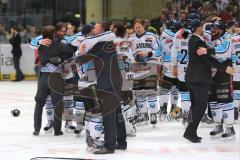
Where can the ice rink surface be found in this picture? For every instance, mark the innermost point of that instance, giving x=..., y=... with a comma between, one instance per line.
x=162, y=143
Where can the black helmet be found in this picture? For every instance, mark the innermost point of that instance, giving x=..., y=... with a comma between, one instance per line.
x=230, y=23
x=175, y=26
x=192, y=16
x=194, y=24
x=219, y=24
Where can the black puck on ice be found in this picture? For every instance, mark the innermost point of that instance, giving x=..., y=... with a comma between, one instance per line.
x=15, y=112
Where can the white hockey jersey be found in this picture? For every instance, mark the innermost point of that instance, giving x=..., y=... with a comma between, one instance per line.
x=167, y=42
x=147, y=42
x=87, y=74
x=89, y=42
x=125, y=61
x=86, y=71
x=235, y=47
x=180, y=55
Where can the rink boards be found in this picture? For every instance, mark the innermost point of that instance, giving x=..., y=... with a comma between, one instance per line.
x=7, y=71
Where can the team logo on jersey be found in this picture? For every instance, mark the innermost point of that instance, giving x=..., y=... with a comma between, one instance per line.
x=140, y=105
x=152, y=105
x=98, y=127
x=214, y=114
x=225, y=115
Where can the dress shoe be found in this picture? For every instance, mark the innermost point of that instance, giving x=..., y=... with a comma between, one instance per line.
x=200, y=138
x=121, y=147
x=103, y=150
x=193, y=139
x=36, y=133
x=59, y=133
x=17, y=80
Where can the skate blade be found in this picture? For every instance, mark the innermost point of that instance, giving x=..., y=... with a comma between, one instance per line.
x=154, y=125
x=232, y=138
x=142, y=124
x=217, y=136
x=131, y=135
x=67, y=130
x=203, y=125
x=162, y=117
x=90, y=149
x=49, y=131
x=78, y=134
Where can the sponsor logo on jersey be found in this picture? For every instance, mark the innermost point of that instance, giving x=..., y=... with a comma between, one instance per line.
x=168, y=41
x=184, y=43
x=143, y=45
x=236, y=46
x=236, y=40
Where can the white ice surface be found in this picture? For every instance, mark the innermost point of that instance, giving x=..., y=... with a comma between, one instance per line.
x=162, y=143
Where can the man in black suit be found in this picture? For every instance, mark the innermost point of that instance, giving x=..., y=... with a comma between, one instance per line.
x=199, y=77
x=15, y=41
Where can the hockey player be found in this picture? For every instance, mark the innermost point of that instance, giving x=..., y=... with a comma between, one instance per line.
x=82, y=103
x=236, y=75
x=180, y=58
x=146, y=51
x=231, y=34
x=223, y=108
x=125, y=60
x=169, y=84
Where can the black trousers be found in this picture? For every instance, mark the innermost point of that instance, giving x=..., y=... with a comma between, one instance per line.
x=16, y=63
x=199, y=100
x=49, y=83
x=113, y=121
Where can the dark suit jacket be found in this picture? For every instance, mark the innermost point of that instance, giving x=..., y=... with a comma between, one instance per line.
x=56, y=50
x=199, y=67
x=15, y=41
x=109, y=75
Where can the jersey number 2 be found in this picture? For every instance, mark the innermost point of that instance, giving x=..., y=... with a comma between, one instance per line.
x=238, y=58
x=184, y=55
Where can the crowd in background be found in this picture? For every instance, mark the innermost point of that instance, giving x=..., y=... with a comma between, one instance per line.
x=174, y=10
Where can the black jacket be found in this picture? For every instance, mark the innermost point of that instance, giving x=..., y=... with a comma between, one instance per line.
x=199, y=67
x=15, y=41
x=55, y=53
x=109, y=75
